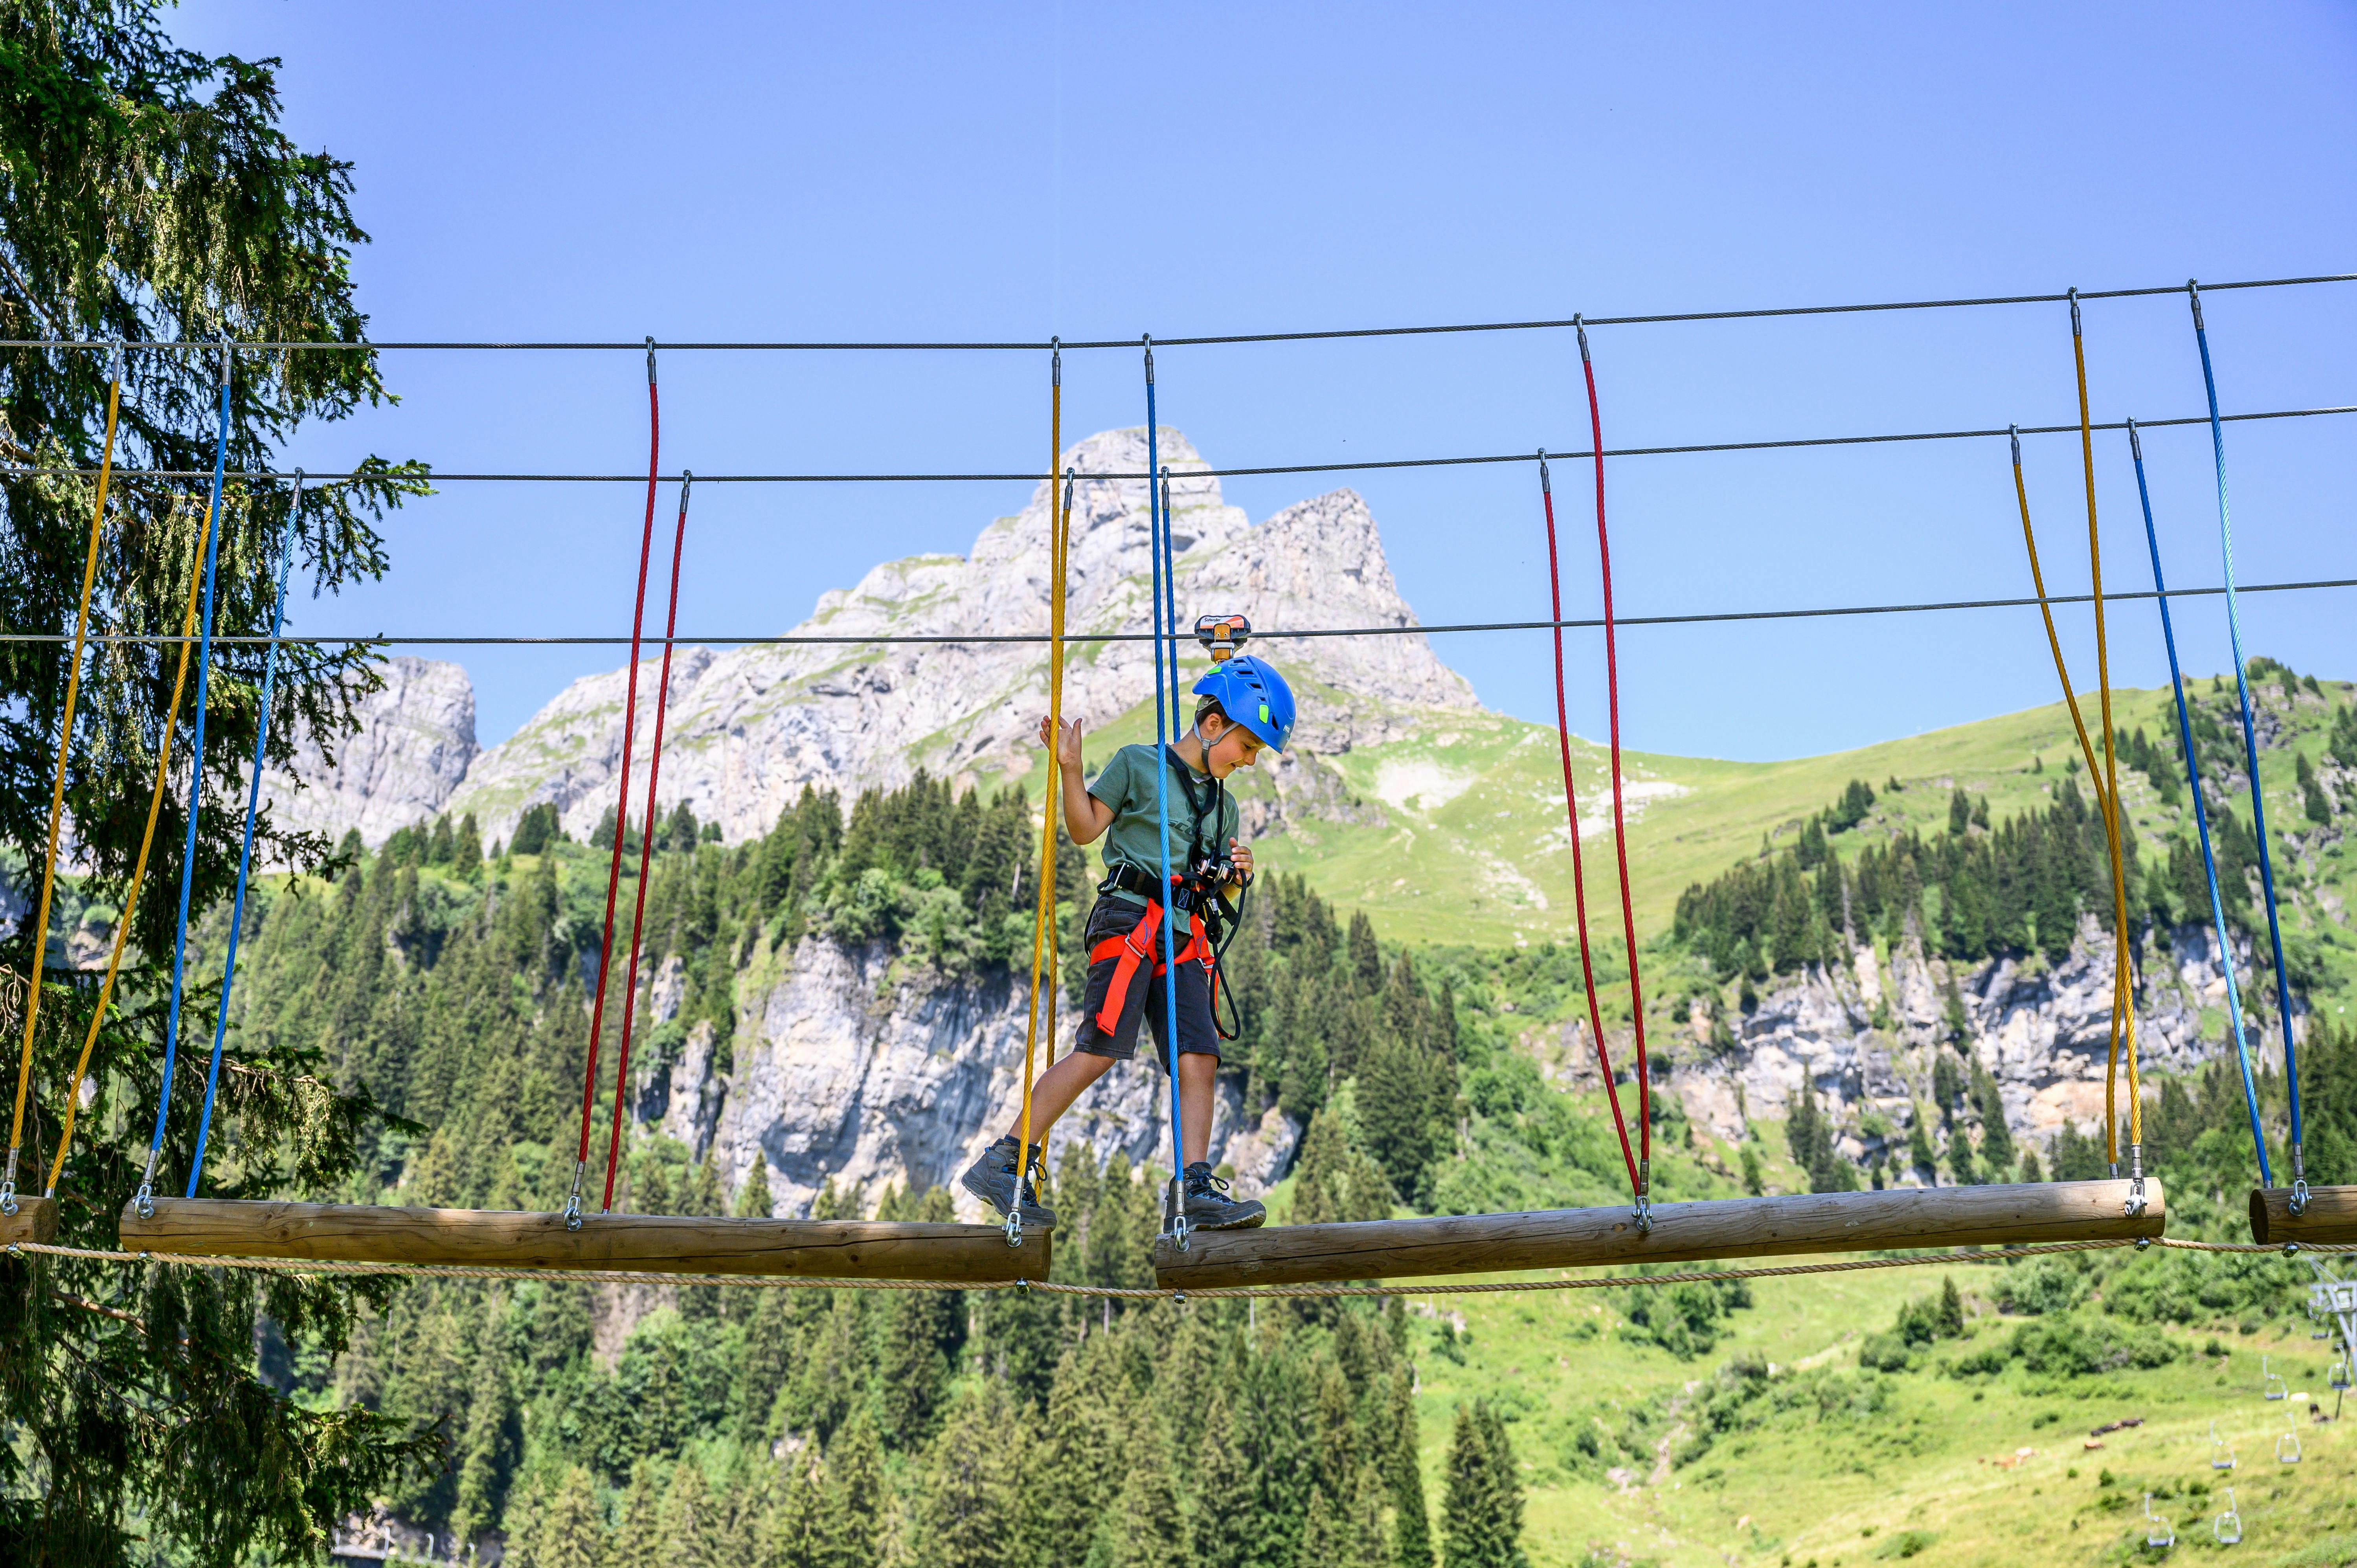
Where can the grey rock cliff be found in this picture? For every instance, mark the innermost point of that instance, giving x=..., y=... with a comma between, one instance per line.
x=415, y=745
x=850, y=1067
x=1866, y=1036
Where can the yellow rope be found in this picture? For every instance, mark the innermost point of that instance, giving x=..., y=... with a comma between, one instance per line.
x=65, y=749
x=139, y=868
x=2095, y=778
x=2124, y=992
x=1479, y=1287
x=1043, y=920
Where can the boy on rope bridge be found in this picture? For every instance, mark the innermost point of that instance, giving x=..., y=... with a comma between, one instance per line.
x=1245, y=705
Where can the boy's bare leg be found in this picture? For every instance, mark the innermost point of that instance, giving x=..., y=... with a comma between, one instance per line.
x=1053, y=1092
x=1198, y=1074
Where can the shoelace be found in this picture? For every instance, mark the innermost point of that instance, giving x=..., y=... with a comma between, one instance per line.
x=1203, y=1182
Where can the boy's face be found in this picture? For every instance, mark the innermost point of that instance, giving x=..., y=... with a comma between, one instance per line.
x=1227, y=746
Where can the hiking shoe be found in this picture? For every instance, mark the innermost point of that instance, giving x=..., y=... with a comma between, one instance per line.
x=992, y=1179
x=1209, y=1207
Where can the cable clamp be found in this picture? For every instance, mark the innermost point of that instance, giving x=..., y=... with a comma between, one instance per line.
x=1546, y=485
x=686, y=483
x=225, y=362
x=2074, y=313
x=2136, y=443
x=1579, y=327
x=650, y=359
x=573, y=1204
x=1147, y=339
x=114, y=361
x=1056, y=364
x=2015, y=431
x=2193, y=292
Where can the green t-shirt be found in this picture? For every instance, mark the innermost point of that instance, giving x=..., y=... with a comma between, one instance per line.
x=1128, y=785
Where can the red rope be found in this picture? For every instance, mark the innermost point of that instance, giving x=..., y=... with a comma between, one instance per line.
x=1620, y=823
x=646, y=853
x=622, y=802
x=1571, y=812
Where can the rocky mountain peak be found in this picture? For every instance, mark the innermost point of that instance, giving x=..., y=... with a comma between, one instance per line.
x=750, y=726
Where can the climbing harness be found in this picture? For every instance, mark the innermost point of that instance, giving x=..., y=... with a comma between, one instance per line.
x=39, y=964
x=1571, y=816
x=1164, y=567
x=621, y=801
x=2201, y=816
x=2250, y=756
x=1644, y=1209
x=253, y=807
x=1043, y=918
x=208, y=561
x=646, y=849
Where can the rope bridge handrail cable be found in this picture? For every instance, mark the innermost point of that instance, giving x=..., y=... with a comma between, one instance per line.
x=1325, y=335
x=24, y=470
x=949, y=638
x=1059, y=1287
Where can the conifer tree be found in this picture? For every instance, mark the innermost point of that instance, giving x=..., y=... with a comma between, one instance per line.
x=851, y=1500
x=638, y=1537
x=968, y=1516
x=1482, y=1511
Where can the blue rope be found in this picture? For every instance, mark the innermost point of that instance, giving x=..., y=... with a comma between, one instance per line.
x=1158, y=536
x=2202, y=820
x=211, y=559
x=2250, y=733
x=252, y=805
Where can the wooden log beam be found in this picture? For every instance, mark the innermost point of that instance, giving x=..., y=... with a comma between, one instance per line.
x=2331, y=1216
x=1682, y=1233
x=651, y=1243
x=35, y=1219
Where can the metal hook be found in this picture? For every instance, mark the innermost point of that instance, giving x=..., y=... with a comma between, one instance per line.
x=1147, y=339
x=686, y=483
x=2193, y=292
x=2074, y=312
x=650, y=359
x=1546, y=485
x=2015, y=431
x=114, y=361
x=2135, y=444
x=1056, y=362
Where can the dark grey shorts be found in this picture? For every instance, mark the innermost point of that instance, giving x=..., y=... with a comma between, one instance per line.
x=1114, y=918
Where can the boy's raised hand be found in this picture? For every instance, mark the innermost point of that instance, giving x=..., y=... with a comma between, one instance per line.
x=1067, y=742
x=1240, y=853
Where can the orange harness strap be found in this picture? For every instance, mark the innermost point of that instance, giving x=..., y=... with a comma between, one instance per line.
x=1131, y=948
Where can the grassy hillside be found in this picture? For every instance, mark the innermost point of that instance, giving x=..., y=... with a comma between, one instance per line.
x=1466, y=841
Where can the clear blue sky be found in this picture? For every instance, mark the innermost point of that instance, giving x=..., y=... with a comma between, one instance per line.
x=832, y=172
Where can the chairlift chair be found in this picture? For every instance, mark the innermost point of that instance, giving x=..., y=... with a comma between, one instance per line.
x=2289, y=1438
x=2157, y=1532
x=2221, y=1458
x=2227, y=1527
x=2272, y=1386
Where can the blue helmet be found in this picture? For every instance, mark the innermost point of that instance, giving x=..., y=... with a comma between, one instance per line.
x=1250, y=691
